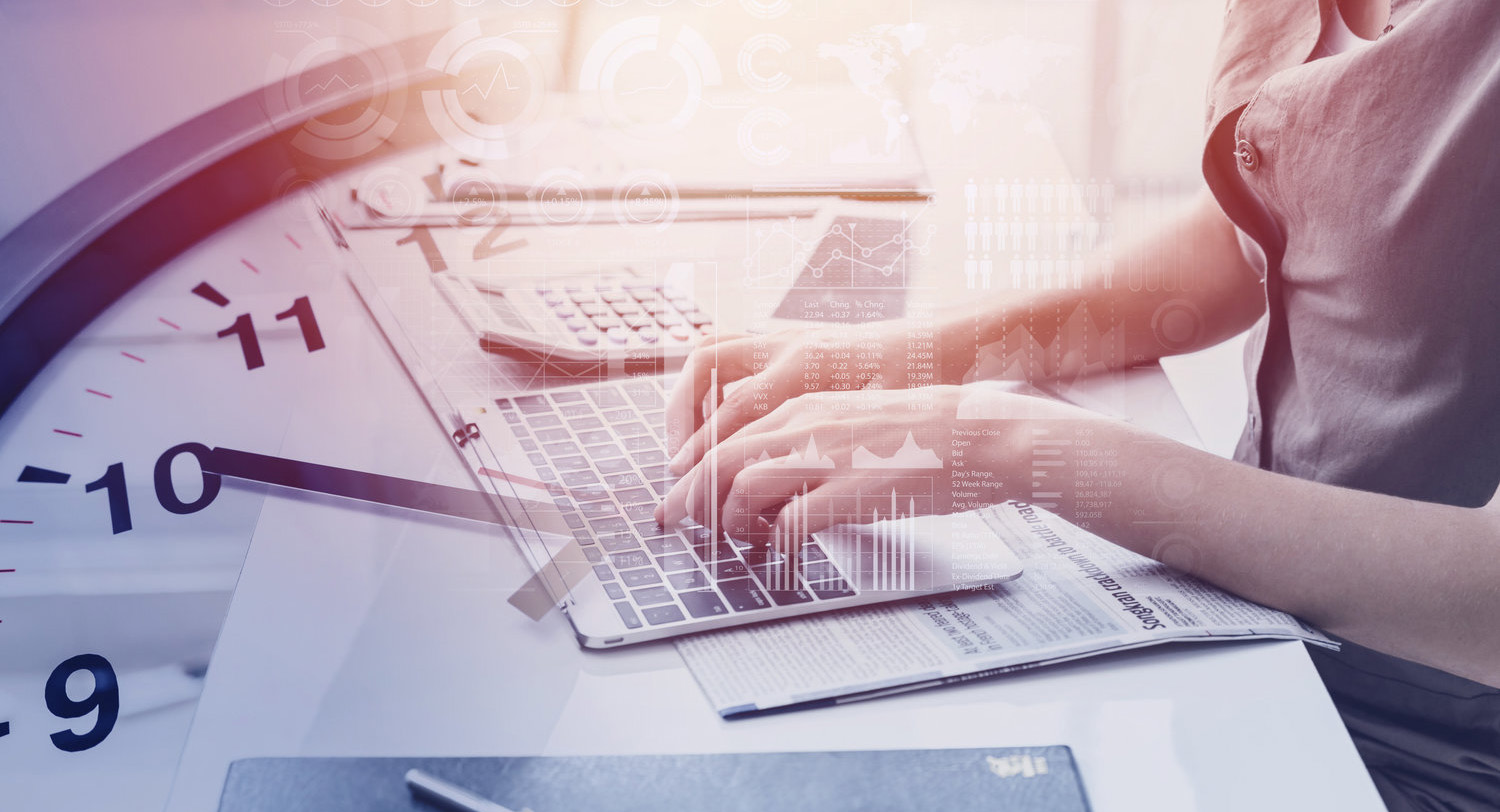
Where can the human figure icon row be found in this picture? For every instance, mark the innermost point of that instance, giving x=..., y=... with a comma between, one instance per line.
x=1036, y=273
x=1015, y=234
x=1031, y=196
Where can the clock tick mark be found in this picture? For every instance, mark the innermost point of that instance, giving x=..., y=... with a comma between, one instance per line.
x=293, y=241
x=247, y=264
x=132, y=356
x=16, y=521
x=68, y=433
x=31, y=473
x=100, y=394
x=171, y=324
x=208, y=292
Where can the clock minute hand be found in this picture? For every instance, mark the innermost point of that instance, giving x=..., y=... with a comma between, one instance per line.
x=410, y=494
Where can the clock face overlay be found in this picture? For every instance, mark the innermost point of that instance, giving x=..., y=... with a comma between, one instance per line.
x=118, y=552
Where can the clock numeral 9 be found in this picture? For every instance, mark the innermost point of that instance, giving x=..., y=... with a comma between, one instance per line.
x=105, y=697
x=244, y=328
x=113, y=483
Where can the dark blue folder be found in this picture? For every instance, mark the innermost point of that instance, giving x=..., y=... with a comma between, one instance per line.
x=1034, y=779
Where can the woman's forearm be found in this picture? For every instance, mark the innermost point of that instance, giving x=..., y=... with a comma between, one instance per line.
x=1413, y=579
x=1184, y=288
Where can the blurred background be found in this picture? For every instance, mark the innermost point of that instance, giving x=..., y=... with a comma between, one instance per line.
x=1118, y=84
x=1088, y=94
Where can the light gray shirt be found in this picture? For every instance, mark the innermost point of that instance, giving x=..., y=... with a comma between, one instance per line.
x=1377, y=363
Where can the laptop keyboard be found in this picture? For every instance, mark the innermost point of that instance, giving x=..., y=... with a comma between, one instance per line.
x=603, y=449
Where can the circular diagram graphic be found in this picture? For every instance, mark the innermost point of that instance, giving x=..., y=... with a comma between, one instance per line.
x=561, y=198
x=646, y=198
x=649, y=78
x=1178, y=324
x=333, y=69
x=756, y=151
x=292, y=183
x=479, y=193
x=767, y=9
x=493, y=107
x=391, y=194
x=753, y=52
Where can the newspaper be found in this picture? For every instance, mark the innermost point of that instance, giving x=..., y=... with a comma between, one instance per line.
x=1079, y=596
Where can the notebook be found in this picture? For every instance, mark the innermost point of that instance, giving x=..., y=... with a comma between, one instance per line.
x=1036, y=779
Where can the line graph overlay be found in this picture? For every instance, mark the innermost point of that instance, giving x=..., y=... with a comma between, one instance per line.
x=859, y=271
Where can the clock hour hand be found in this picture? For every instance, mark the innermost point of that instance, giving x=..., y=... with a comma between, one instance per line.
x=479, y=506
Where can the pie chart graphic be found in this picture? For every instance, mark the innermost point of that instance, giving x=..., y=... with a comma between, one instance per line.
x=493, y=105
x=323, y=72
x=648, y=75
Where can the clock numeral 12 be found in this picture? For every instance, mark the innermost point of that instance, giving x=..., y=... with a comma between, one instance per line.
x=244, y=328
x=488, y=247
x=113, y=483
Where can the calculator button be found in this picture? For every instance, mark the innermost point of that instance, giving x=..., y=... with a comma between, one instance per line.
x=622, y=481
x=652, y=595
x=588, y=339
x=667, y=318
x=607, y=323
x=626, y=308
x=649, y=335
x=618, y=335
x=619, y=542
x=657, y=615
x=703, y=604
x=630, y=560
x=682, y=581
x=627, y=615
x=553, y=299
x=640, y=577
x=619, y=415
x=644, y=443
x=591, y=309
x=679, y=332
x=613, y=296
x=743, y=595
x=697, y=318
x=532, y=404
x=678, y=562
x=606, y=397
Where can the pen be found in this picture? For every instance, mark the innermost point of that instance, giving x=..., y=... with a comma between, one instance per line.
x=443, y=794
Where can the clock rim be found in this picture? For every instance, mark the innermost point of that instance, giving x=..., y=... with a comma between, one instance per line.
x=72, y=259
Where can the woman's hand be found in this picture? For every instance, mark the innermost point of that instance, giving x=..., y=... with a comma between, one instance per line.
x=831, y=458
x=772, y=369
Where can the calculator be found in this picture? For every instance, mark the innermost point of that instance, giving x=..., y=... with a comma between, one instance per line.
x=594, y=318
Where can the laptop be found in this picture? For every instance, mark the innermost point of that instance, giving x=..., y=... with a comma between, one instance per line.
x=593, y=457
x=597, y=452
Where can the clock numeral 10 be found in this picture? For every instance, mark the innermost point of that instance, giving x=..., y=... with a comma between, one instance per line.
x=244, y=328
x=113, y=484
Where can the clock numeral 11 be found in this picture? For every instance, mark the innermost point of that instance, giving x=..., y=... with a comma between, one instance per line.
x=244, y=328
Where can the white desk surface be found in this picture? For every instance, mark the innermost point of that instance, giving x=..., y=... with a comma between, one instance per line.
x=360, y=632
